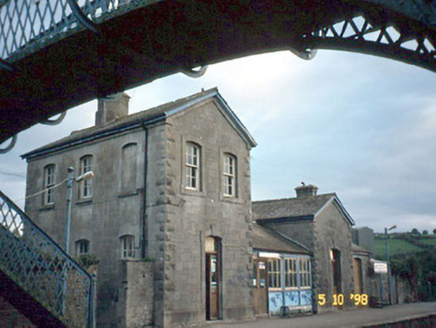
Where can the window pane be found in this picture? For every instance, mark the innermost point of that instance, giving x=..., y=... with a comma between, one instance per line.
x=127, y=244
x=49, y=173
x=82, y=247
x=274, y=280
x=192, y=166
x=86, y=185
x=228, y=175
x=305, y=273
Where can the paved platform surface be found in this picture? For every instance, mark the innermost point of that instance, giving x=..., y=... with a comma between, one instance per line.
x=343, y=318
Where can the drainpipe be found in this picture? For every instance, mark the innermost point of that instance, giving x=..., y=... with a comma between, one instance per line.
x=144, y=200
x=282, y=278
x=144, y=230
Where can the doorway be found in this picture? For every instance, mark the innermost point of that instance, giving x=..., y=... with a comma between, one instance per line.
x=335, y=256
x=260, y=292
x=213, y=278
x=358, y=286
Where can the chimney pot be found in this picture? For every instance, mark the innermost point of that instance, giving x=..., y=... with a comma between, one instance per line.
x=305, y=191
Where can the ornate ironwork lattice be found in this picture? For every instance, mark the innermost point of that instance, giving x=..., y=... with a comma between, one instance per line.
x=382, y=37
x=29, y=24
x=39, y=266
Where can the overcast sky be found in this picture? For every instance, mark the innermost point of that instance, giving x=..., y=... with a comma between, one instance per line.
x=361, y=126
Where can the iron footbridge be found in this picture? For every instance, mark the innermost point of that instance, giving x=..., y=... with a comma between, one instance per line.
x=57, y=54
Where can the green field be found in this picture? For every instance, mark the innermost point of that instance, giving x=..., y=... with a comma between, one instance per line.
x=428, y=241
x=396, y=246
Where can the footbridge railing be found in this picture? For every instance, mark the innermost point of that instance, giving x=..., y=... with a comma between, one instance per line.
x=29, y=25
x=39, y=266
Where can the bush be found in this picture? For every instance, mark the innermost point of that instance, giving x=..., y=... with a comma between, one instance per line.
x=87, y=260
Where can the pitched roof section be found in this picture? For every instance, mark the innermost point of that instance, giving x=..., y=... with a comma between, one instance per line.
x=139, y=119
x=356, y=249
x=289, y=207
x=296, y=208
x=266, y=240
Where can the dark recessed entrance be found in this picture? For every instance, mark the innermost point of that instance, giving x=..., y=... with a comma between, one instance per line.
x=213, y=278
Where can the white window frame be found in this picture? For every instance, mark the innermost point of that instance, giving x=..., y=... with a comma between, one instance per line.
x=127, y=247
x=229, y=175
x=274, y=273
x=82, y=247
x=49, y=181
x=305, y=273
x=291, y=273
x=86, y=186
x=192, y=166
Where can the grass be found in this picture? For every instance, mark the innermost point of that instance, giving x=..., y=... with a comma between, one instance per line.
x=428, y=241
x=396, y=246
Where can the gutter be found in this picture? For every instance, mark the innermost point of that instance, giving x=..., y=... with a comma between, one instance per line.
x=286, y=219
x=103, y=134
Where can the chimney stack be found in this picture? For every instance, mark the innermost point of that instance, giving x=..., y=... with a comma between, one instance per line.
x=111, y=108
x=304, y=191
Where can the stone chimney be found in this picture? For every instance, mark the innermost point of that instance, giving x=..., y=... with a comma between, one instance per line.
x=111, y=108
x=306, y=191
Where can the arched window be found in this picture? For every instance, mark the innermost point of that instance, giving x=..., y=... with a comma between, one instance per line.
x=85, y=189
x=128, y=168
x=229, y=175
x=192, y=164
x=127, y=246
x=82, y=247
x=49, y=181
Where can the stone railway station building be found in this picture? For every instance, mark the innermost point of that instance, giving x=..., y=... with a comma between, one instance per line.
x=169, y=214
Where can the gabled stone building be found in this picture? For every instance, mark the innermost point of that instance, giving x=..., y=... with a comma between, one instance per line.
x=171, y=185
x=323, y=226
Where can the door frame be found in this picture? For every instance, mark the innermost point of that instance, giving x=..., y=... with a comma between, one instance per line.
x=216, y=251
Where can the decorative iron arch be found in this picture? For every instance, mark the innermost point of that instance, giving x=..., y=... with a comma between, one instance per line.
x=174, y=36
x=363, y=28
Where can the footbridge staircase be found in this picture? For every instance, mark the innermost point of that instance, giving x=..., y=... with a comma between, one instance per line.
x=39, y=282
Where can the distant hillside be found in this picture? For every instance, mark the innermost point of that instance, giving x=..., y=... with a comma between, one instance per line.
x=403, y=243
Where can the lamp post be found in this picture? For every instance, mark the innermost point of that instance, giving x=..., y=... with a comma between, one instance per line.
x=70, y=180
x=86, y=176
x=387, y=260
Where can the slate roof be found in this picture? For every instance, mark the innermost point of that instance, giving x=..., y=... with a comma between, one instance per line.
x=359, y=249
x=266, y=240
x=296, y=208
x=134, y=121
x=289, y=207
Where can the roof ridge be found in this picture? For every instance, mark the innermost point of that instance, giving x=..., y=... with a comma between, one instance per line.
x=130, y=120
x=293, y=198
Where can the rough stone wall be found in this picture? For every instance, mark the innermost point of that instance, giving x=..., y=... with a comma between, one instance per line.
x=156, y=212
x=10, y=317
x=110, y=214
x=331, y=231
x=180, y=220
x=400, y=289
x=136, y=293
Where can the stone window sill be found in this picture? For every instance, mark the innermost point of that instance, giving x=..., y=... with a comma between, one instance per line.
x=84, y=201
x=47, y=207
